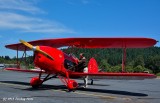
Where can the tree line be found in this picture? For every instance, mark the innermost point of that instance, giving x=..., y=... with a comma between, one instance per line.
x=110, y=60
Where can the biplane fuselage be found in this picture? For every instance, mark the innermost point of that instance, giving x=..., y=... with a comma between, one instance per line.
x=56, y=66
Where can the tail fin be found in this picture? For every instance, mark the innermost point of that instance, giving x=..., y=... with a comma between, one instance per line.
x=92, y=66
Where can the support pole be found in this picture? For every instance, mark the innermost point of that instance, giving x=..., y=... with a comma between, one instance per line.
x=25, y=56
x=17, y=59
x=123, y=59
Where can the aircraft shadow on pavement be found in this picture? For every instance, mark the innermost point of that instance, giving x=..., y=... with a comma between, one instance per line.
x=81, y=84
x=15, y=82
x=118, y=92
x=63, y=88
x=42, y=87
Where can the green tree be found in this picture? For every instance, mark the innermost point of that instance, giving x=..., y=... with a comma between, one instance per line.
x=104, y=66
x=139, y=68
x=129, y=68
x=116, y=68
x=139, y=61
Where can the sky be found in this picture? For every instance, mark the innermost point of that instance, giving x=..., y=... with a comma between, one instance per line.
x=43, y=19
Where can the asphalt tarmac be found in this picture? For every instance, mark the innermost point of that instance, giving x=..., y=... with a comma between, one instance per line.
x=15, y=88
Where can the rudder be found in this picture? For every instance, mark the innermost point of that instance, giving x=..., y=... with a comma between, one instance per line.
x=92, y=66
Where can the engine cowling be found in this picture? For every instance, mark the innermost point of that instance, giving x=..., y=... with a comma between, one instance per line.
x=72, y=84
x=35, y=82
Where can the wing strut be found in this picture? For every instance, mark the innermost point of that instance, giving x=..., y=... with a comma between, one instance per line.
x=18, y=65
x=24, y=55
x=123, y=59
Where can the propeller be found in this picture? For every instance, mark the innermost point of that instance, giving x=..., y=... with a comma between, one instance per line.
x=36, y=48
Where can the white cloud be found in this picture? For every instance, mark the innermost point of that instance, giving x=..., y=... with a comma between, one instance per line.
x=10, y=19
x=30, y=24
x=22, y=5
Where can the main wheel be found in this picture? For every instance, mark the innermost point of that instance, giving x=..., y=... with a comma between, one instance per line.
x=35, y=82
x=72, y=85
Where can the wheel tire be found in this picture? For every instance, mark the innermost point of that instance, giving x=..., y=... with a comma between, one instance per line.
x=35, y=86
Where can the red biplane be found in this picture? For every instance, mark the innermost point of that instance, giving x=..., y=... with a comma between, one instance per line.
x=54, y=62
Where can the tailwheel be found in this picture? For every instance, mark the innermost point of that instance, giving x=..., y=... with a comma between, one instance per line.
x=35, y=82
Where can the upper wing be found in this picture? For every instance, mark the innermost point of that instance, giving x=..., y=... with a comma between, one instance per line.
x=108, y=75
x=89, y=43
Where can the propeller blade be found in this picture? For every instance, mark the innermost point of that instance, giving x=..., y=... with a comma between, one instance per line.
x=27, y=44
x=36, y=48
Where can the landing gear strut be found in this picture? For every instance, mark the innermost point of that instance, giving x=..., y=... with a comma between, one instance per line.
x=36, y=81
x=70, y=84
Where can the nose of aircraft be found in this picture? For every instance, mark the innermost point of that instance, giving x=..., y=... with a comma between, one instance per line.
x=36, y=48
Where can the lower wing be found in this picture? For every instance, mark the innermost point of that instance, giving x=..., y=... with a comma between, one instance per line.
x=24, y=70
x=109, y=75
